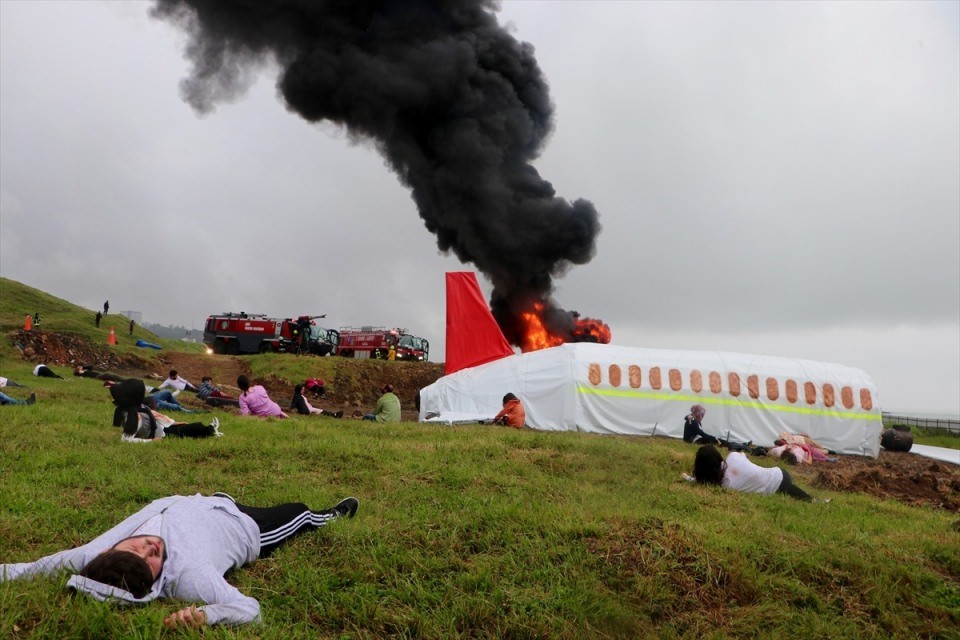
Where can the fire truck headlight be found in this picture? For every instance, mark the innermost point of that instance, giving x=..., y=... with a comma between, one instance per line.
x=209, y=351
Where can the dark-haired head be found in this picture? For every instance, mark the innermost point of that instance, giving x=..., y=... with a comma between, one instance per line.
x=708, y=465
x=173, y=373
x=244, y=383
x=206, y=379
x=791, y=457
x=387, y=388
x=121, y=569
x=297, y=390
x=507, y=398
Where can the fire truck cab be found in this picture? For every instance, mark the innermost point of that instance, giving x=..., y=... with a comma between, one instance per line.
x=375, y=342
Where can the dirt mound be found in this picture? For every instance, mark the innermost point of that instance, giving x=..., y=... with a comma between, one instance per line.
x=902, y=476
x=65, y=350
x=906, y=477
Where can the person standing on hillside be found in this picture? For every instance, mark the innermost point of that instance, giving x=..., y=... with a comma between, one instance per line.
x=388, y=406
x=97, y=318
x=180, y=547
x=132, y=325
x=254, y=401
x=106, y=307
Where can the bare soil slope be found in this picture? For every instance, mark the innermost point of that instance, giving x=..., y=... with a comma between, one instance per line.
x=906, y=477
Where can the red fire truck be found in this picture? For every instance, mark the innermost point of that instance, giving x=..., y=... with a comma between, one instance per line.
x=375, y=342
x=235, y=333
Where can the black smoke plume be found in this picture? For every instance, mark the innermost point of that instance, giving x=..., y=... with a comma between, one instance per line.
x=457, y=106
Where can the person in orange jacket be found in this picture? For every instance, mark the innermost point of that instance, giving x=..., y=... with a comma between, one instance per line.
x=512, y=414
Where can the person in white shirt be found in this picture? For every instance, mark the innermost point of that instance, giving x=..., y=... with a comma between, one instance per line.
x=174, y=381
x=7, y=382
x=739, y=474
x=180, y=547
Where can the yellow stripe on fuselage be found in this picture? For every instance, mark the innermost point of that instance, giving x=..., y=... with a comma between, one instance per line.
x=752, y=404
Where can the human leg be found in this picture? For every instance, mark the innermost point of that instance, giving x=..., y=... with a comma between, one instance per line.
x=189, y=430
x=5, y=399
x=215, y=401
x=282, y=522
x=170, y=406
x=165, y=395
x=792, y=490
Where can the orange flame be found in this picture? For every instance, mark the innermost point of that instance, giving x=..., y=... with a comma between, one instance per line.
x=537, y=336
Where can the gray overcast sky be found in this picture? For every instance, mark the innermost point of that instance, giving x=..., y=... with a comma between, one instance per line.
x=778, y=178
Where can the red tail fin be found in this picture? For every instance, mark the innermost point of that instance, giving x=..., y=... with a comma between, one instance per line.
x=473, y=336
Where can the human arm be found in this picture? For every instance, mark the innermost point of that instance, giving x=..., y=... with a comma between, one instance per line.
x=71, y=559
x=221, y=602
x=244, y=406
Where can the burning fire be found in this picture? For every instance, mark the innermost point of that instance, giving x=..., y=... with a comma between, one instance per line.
x=536, y=335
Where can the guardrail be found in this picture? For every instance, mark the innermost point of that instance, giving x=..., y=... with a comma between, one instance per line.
x=945, y=424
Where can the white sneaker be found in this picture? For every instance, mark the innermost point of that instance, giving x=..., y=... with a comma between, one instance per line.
x=215, y=423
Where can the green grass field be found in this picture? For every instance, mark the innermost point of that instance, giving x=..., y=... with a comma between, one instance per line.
x=469, y=532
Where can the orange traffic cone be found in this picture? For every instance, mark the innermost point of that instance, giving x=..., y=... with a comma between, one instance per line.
x=28, y=323
x=113, y=337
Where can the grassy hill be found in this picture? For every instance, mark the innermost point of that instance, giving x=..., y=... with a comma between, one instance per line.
x=463, y=532
x=18, y=300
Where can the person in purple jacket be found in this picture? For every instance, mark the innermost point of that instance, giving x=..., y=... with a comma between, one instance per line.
x=180, y=547
x=254, y=400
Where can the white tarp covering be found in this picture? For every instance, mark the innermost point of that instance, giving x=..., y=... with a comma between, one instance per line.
x=936, y=453
x=627, y=390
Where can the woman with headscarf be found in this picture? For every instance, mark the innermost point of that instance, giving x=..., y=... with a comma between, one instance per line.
x=693, y=429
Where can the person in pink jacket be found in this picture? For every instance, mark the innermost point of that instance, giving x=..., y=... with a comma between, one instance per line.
x=254, y=400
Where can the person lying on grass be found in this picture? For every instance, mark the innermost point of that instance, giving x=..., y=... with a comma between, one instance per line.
x=180, y=547
x=212, y=395
x=739, y=474
x=153, y=425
